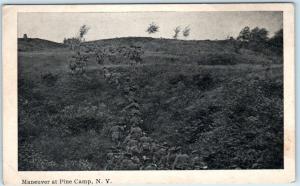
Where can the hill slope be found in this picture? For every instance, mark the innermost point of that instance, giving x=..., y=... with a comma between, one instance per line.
x=205, y=52
x=32, y=44
x=225, y=115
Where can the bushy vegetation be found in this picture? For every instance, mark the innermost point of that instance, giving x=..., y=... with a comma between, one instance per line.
x=195, y=99
x=78, y=62
x=176, y=32
x=186, y=31
x=152, y=28
x=257, y=39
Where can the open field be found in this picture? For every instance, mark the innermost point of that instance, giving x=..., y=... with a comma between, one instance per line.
x=222, y=107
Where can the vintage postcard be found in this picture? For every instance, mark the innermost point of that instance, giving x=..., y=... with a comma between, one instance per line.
x=160, y=93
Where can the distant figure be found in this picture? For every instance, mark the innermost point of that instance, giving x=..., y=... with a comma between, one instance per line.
x=25, y=36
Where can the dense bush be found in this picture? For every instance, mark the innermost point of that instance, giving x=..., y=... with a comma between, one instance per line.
x=276, y=42
x=251, y=133
x=257, y=40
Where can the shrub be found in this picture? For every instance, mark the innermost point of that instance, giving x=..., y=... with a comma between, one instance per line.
x=72, y=43
x=186, y=31
x=78, y=119
x=176, y=32
x=244, y=34
x=252, y=115
x=152, y=28
x=78, y=63
x=276, y=42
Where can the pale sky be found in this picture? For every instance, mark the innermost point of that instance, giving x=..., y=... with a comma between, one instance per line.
x=204, y=25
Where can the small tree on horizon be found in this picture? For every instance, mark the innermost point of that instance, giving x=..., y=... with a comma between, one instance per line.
x=186, y=31
x=259, y=35
x=177, y=31
x=276, y=42
x=78, y=62
x=152, y=28
x=83, y=31
x=244, y=34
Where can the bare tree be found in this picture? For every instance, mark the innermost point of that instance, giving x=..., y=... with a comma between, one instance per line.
x=186, y=31
x=152, y=28
x=177, y=31
x=74, y=42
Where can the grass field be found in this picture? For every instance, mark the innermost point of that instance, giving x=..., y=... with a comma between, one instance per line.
x=225, y=107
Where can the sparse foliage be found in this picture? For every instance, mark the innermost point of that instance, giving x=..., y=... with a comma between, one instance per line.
x=83, y=31
x=78, y=62
x=130, y=54
x=176, y=32
x=186, y=31
x=152, y=28
x=72, y=43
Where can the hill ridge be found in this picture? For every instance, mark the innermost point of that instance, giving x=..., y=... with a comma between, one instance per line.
x=31, y=44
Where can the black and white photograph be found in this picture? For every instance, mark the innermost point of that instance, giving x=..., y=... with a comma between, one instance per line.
x=151, y=90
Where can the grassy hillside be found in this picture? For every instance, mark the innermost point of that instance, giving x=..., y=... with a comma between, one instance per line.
x=187, y=51
x=201, y=97
x=35, y=44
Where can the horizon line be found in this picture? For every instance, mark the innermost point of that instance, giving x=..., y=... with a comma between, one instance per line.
x=128, y=37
